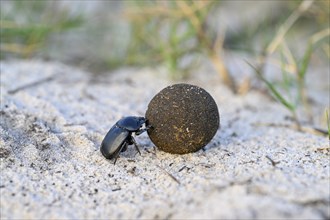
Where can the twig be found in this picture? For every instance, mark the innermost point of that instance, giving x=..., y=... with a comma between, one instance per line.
x=182, y=168
x=170, y=175
x=323, y=148
x=150, y=151
x=274, y=163
x=305, y=129
x=320, y=130
x=29, y=85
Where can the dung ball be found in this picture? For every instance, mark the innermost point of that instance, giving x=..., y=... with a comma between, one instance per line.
x=183, y=118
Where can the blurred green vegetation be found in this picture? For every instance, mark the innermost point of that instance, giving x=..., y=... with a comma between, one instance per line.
x=170, y=31
x=25, y=28
x=178, y=35
x=291, y=92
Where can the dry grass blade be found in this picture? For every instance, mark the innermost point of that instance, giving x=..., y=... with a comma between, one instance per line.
x=320, y=35
x=147, y=12
x=190, y=14
x=24, y=50
x=308, y=53
x=287, y=25
x=212, y=49
x=291, y=66
x=328, y=122
x=165, y=10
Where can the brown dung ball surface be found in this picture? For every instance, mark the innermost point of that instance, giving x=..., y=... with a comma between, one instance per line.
x=184, y=118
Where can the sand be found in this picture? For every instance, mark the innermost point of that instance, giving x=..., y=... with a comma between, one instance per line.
x=54, y=117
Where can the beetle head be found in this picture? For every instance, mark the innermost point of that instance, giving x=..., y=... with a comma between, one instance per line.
x=131, y=123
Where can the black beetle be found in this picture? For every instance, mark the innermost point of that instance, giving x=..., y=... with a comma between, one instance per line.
x=120, y=136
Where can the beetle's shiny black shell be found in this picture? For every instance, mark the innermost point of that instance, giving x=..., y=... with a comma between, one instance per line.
x=113, y=141
x=119, y=135
x=131, y=123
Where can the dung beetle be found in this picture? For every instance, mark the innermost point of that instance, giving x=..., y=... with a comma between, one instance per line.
x=120, y=136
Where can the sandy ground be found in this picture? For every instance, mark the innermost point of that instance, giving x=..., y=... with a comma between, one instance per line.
x=54, y=117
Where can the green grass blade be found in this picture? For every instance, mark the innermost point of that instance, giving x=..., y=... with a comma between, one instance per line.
x=274, y=91
x=305, y=61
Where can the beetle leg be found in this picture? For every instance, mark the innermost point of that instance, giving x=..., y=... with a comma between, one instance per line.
x=124, y=148
x=143, y=130
x=135, y=144
x=116, y=154
x=140, y=131
x=114, y=163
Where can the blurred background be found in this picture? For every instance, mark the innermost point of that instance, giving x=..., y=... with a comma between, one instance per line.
x=182, y=36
